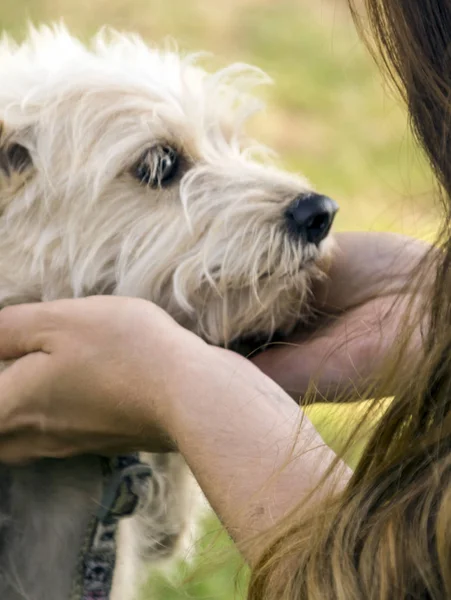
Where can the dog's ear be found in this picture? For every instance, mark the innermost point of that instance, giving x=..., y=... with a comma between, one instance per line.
x=16, y=162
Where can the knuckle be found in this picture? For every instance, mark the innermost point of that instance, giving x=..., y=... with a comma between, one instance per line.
x=7, y=315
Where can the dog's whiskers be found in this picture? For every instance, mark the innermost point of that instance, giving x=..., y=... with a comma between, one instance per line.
x=136, y=177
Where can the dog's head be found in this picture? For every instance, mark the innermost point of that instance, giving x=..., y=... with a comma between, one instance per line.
x=126, y=170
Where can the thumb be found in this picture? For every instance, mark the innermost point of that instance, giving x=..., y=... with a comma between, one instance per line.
x=22, y=329
x=24, y=386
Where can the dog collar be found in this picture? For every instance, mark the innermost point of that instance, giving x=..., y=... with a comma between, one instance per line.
x=126, y=480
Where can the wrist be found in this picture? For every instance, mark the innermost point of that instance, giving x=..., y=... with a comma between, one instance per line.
x=211, y=382
x=192, y=367
x=166, y=384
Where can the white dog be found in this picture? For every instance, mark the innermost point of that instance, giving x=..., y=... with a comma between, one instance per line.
x=125, y=170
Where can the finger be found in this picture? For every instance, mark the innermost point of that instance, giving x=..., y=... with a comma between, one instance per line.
x=18, y=450
x=24, y=386
x=22, y=329
x=24, y=448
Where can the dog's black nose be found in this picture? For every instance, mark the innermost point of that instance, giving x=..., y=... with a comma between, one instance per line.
x=310, y=217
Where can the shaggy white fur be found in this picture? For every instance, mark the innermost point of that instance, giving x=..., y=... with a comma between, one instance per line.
x=126, y=170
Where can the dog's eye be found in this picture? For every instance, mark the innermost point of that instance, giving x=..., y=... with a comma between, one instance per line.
x=157, y=166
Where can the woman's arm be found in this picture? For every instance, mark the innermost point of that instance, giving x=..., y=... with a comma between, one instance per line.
x=252, y=450
x=111, y=374
x=365, y=300
x=103, y=375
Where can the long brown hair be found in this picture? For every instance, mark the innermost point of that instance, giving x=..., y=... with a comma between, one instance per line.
x=387, y=536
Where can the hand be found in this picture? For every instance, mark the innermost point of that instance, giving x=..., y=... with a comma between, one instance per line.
x=111, y=375
x=361, y=308
x=94, y=379
x=99, y=374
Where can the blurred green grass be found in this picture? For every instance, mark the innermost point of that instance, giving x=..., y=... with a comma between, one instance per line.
x=329, y=116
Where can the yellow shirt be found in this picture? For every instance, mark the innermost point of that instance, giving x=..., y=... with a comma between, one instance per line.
x=336, y=423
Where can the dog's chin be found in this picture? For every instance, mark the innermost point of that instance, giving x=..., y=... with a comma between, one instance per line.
x=251, y=345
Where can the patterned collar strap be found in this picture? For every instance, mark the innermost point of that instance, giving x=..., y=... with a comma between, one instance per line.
x=126, y=483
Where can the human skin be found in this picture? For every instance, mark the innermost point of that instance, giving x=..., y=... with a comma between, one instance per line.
x=106, y=374
x=364, y=300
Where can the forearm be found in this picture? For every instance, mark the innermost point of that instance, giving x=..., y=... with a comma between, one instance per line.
x=253, y=453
